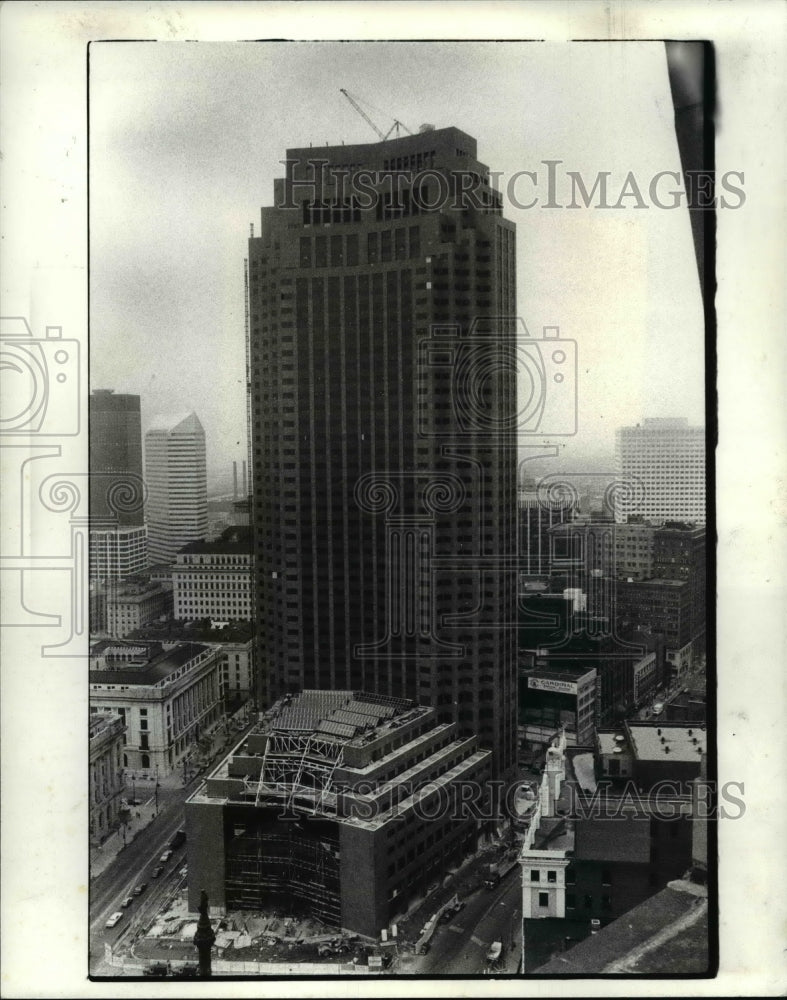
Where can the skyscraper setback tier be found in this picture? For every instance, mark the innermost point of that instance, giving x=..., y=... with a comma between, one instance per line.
x=382, y=404
x=176, y=479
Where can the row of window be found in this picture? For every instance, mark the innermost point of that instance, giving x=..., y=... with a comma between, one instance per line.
x=344, y=249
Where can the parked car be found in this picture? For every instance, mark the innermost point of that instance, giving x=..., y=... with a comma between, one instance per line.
x=184, y=870
x=157, y=871
x=127, y=902
x=188, y=971
x=114, y=919
x=140, y=889
x=165, y=856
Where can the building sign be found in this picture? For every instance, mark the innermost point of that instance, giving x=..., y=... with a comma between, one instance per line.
x=548, y=684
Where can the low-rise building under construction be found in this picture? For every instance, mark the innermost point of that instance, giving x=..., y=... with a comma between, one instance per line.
x=339, y=805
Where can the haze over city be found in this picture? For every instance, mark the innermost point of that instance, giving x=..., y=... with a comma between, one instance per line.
x=177, y=182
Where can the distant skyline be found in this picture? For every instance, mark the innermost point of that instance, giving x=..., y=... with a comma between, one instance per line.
x=186, y=140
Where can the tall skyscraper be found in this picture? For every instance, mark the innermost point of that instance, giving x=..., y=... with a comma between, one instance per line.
x=118, y=539
x=383, y=397
x=176, y=479
x=115, y=447
x=664, y=462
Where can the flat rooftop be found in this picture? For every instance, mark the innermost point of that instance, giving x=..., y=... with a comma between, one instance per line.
x=667, y=742
x=610, y=740
x=235, y=540
x=134, y=593
x=353, y=717
x=160, y=665
x=571, y=673
x=668, y=933
x=196, y=631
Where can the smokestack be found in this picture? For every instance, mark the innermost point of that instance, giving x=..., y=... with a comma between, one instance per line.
x=234, y=480
x=244, y=494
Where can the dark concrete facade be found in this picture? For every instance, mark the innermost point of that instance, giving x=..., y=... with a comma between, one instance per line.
x=383, y=511
x=115, y=454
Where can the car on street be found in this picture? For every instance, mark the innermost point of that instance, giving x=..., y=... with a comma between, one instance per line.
x=165, y=856
x=184, y=870
x=114, y=919
x=452, y=908
x=157, y=871
x=126, y=902
x=495, y=952
x=140, y=889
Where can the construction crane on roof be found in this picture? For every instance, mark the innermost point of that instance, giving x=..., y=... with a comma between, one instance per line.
x=396, y=125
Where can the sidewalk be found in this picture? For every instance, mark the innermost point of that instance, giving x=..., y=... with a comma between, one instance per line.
x=101, y=857
x=144, y=814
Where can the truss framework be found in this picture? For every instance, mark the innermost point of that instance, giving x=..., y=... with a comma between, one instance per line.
x=300, y=767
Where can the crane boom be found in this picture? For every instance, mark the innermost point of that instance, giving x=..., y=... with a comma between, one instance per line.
x=362, y=113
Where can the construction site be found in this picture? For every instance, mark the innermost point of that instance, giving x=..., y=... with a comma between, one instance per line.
x=338, y=807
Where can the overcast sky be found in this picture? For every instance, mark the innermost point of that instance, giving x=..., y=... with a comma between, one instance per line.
x=186, y=139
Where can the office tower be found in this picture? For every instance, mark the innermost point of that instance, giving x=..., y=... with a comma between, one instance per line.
x=116, y=553
x=176, y=478
x=536, y=517
x=664, y=460
x=115, y=447
x=118, y=539
x=384, y=472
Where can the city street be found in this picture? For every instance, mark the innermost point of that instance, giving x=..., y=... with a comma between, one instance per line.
x=459, y=947
x=133, y=864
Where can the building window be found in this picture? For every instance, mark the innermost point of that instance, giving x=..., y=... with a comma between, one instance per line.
x=571, y=877
x=571, y=901
x=543, y=899
x=535, y=875
x=606, y=902
x=588, y=902
x=606, y=876
x=145, y=760
x=551, y=876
